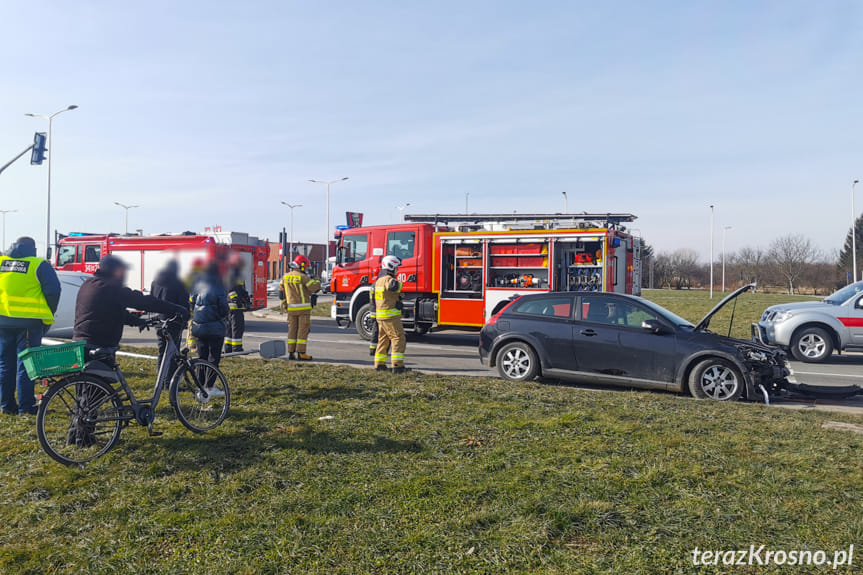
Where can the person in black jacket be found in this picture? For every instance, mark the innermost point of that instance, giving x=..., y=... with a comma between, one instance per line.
x=101, y=308
x=170, y=288
x=209, y=301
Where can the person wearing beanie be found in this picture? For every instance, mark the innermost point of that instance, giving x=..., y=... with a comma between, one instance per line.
x=102, y=307
x=29, y=295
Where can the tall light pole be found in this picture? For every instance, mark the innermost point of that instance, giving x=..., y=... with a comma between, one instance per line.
x=291, y=206
x=50, y=118
x=4, y=212
x=712, y=213
x=327, y=237
x=724, y=231
x=466, y=198
x=126, y=208
x=853, y=230
x=565, y=203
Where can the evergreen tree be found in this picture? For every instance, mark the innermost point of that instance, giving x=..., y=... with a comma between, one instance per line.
x=845, y=261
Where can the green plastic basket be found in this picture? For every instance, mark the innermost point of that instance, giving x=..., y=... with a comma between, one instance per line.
x=53, y=360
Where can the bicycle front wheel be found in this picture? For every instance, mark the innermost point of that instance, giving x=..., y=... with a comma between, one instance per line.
x=200, y=395
x=79, y=420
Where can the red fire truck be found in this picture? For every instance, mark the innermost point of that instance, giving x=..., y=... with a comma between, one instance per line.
x=460, y=270
x=146, y=255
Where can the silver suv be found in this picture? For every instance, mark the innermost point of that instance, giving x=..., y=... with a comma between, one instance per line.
x=812, y=330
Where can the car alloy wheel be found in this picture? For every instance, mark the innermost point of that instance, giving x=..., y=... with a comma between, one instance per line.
x=516, y=363
x=719, y=382
x=812, y=345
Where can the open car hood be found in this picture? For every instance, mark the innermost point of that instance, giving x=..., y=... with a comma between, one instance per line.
x=705, y=321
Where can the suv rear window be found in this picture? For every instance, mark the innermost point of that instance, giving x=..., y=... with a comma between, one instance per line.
x=559, y=307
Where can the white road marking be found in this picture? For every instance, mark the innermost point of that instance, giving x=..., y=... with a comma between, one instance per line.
x=828, y=374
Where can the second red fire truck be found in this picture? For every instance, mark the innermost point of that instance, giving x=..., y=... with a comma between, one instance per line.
x=459, y=270
x=146, y=255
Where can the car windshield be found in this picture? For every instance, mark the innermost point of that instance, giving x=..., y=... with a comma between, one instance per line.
x=844, y=294
x=662, y=312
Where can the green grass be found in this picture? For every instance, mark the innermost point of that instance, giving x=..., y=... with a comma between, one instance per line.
x=432, y=474
x=694, y=304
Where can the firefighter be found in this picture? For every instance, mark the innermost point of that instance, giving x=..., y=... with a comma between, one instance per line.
x=373, y=342
x=388, y=308
x=297, y=290
x=238, y=302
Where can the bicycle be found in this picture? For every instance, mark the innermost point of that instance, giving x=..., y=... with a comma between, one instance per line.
x=81, y=415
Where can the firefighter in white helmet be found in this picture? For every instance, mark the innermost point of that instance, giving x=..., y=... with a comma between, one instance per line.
x=388, y=310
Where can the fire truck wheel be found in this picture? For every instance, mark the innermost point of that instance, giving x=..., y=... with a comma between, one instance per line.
x=517, y=362
x=364, y=322
x=422, y=329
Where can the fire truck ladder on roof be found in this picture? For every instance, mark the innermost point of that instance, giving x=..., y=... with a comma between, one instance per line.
x=527, y=221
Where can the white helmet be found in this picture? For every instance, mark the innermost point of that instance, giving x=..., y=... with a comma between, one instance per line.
x=391, y=263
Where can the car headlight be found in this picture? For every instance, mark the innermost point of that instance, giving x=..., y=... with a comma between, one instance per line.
x=782, y=316
x=755, y=355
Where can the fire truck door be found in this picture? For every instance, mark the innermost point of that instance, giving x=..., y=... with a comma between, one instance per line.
x=403, y=245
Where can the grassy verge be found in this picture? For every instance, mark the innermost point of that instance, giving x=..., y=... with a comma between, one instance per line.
x=693, y=305
x=430, y=474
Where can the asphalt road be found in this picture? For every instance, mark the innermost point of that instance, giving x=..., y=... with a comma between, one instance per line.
x=454, y=352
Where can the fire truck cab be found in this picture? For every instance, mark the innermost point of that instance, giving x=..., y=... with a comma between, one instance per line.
x=146, y=255
x=462, y=274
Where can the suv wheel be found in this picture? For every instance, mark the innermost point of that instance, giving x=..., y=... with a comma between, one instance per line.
x=717, y=379
x=812, y=345
x=517, y=362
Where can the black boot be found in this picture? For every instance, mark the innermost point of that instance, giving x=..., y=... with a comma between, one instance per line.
x=399, y=369
x=381, y=368
x=291, y=356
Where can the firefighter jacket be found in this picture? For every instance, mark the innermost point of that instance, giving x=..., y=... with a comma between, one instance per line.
x=298, y=289
x=388, y=297
x=238, y=297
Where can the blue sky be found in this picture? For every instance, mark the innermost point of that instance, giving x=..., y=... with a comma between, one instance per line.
x=214, y=112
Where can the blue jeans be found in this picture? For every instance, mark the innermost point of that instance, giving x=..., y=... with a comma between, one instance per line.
x=12, y=373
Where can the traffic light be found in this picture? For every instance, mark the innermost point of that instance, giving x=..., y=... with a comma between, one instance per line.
x=40, y=139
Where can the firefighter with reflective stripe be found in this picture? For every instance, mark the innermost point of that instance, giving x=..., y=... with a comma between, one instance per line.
x=238, y=302
x=297, y=289
x=388, y=309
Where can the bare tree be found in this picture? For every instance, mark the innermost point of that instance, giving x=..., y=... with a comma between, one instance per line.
x=791, y=255
x=684, y=264
x=751, y=262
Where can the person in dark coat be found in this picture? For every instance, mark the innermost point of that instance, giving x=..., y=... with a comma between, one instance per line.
x=170, y=288
x=209, y=301
x=29, y=295
x=101, y=308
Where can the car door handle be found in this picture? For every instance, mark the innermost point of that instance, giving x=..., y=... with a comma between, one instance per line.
x=588, y=332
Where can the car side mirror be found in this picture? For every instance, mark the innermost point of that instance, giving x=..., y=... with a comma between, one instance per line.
x=654, y=326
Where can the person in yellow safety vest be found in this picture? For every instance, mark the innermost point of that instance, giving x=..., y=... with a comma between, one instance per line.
x=29, y=294
x=238, y=302
x=388, y=309
x=296, y=289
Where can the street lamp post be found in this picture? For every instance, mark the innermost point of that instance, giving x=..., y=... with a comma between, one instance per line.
x=724, y=231
x=712, y=213
x=291, y=247
x=327, y=237
x=4, y=212
x=565, y=203
x=854, y=230
x=50, y=118
x=466, y=198
x=126, y=208
x=401, y=210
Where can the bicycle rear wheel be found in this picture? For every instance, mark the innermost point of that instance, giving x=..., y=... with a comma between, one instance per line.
x=78, y=420
x=196, y=408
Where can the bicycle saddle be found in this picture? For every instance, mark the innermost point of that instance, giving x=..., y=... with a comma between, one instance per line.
x=104, y=355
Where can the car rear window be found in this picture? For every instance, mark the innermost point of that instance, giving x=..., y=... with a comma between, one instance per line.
x=548, y=307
